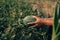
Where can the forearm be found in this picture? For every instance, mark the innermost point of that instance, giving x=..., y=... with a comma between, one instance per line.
x=47, y=21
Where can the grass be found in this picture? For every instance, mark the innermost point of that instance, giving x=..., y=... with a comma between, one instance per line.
x=12, y=13
x=55, y=29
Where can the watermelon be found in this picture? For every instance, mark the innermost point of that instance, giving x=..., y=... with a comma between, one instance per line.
x=28, y=19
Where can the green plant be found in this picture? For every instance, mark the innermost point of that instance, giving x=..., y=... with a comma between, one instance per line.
x=55, y=30
x=12, y=13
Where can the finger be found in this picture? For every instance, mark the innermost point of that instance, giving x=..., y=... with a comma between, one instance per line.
x=31, y=23
x=35, y=16
x=36, y=25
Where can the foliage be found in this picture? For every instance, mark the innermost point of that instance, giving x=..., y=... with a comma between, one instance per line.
x=56, y=32
x=12, y=13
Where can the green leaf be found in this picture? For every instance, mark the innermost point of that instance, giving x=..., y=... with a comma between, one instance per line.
x=55, y=25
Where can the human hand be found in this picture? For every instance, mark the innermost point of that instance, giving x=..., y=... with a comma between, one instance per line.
x=37, y=22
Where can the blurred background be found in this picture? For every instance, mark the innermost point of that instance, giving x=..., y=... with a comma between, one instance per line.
x=12, y=13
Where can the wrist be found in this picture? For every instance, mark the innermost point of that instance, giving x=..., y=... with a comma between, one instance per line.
x=42, y=20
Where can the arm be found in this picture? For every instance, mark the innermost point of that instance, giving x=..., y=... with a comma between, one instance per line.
x=47, y=21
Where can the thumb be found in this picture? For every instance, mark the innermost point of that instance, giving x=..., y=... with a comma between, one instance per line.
x=35, y=17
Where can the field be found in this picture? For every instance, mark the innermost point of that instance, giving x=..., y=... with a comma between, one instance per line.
x=12, y=13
